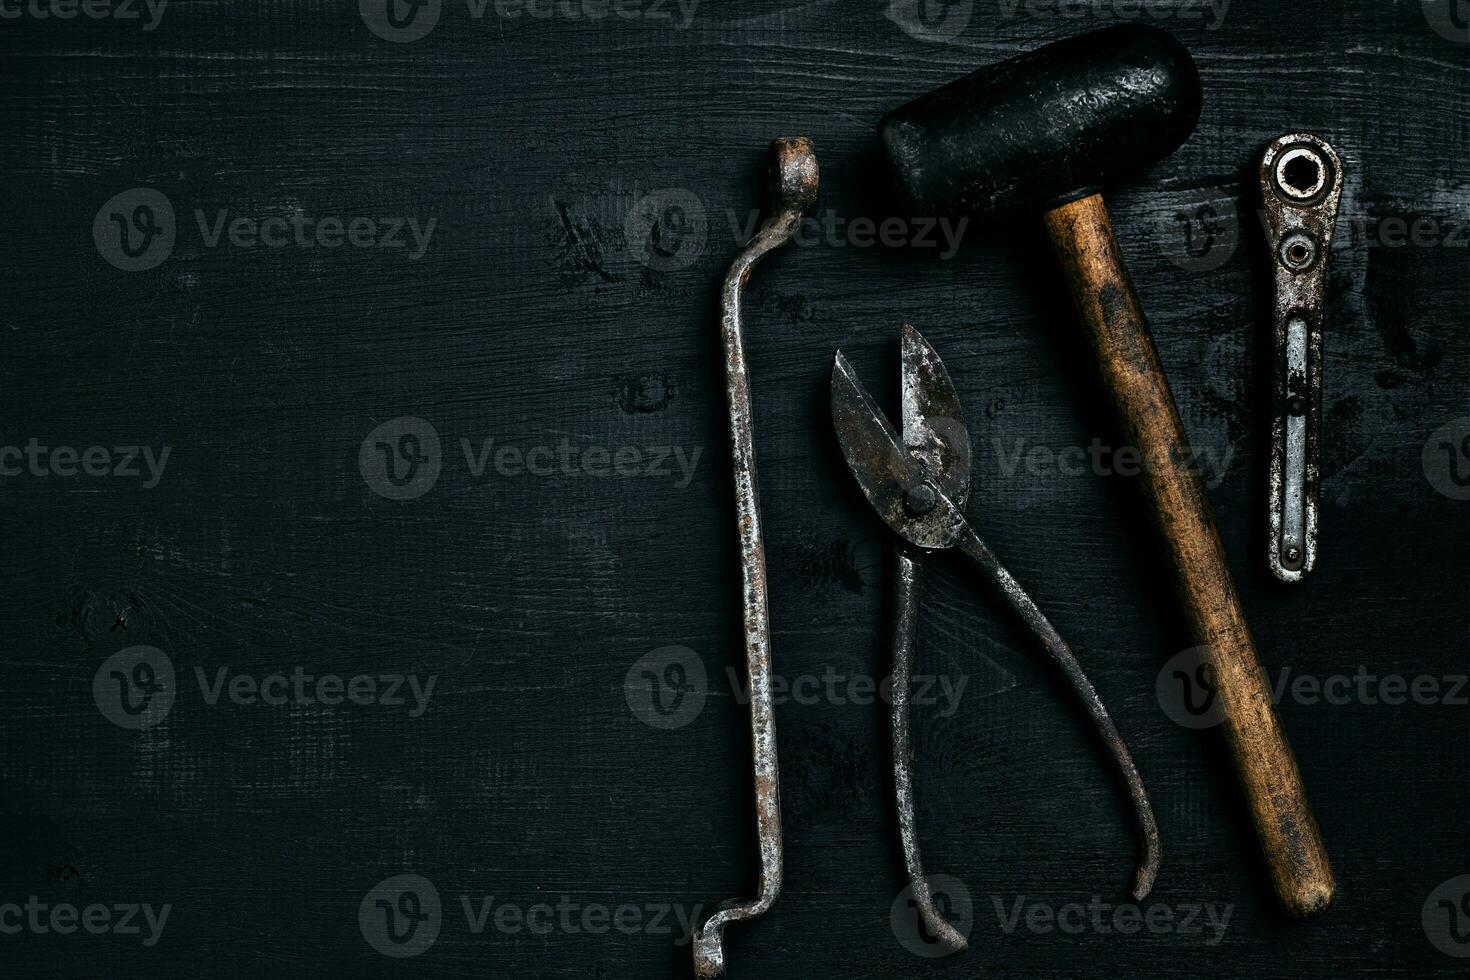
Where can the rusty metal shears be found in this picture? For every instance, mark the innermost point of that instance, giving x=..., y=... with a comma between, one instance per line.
x=918, y=483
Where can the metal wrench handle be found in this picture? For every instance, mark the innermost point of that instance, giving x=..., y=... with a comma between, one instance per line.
x=1301, y=182
x=794, y=178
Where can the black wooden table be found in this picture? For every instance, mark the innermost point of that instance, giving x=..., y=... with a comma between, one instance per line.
x=367, y=504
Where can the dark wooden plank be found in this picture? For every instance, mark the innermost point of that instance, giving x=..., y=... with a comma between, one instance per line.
x=528, y=320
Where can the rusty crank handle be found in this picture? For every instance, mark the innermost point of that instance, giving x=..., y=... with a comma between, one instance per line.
x=794, y=176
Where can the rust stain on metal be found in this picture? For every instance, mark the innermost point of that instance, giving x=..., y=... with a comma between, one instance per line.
x=918, y=484
x=794, y=178
x=1301, y=182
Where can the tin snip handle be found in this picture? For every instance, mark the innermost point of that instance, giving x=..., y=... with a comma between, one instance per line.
x=1301, y=182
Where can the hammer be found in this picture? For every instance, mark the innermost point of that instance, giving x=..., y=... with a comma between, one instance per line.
x=1045, y=131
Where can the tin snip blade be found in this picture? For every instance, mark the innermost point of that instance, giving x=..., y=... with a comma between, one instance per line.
x=918, y=482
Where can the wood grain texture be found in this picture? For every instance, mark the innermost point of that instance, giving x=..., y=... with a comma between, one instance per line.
x=529, y=319
x=1172, y=484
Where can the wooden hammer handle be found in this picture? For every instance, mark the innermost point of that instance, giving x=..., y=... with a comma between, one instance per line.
x=1082, y=237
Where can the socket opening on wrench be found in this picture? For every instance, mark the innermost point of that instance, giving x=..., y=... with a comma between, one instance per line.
x=1301, y=175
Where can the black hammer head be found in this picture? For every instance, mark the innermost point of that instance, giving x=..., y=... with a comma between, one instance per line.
x=1045, y=127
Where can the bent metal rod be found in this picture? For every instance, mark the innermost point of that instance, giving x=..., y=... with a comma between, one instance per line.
x=794, y=176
